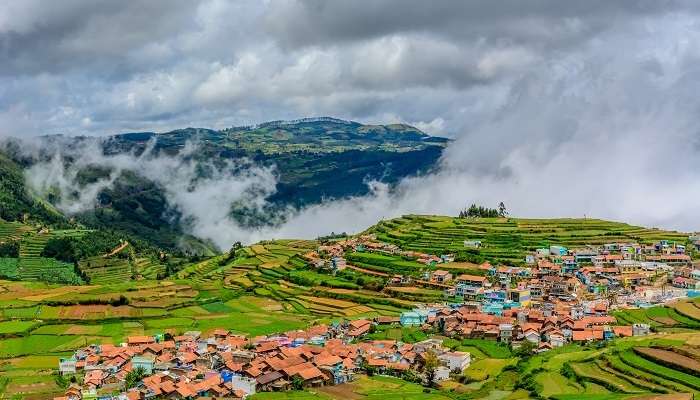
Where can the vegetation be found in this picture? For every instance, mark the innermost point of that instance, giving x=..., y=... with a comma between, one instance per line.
x=268, y=287
x=308, y=156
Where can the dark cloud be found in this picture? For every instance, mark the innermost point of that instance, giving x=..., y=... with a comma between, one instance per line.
x=314, y=22
x=534, y=92
x=107, y=36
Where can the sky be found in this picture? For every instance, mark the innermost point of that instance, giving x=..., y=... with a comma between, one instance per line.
x=557, y=108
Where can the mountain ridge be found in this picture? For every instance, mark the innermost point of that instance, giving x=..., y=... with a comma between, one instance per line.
x=313, y=159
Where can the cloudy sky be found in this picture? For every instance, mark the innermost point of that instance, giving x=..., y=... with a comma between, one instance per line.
x=557, y=108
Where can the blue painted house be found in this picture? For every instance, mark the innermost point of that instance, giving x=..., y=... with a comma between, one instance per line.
x=143, y=362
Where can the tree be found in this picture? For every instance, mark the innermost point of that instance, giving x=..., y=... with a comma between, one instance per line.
x=502, y=212
x=430, y=365
x=525, y=350
x=297, y=383
x=231, y=253
x=134, y=377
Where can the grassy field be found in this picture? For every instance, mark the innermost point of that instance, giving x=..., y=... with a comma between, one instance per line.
x=507, y=240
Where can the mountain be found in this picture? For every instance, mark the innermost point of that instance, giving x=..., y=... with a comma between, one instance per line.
x=316, y=157
x=16, y=201
x=313, y=159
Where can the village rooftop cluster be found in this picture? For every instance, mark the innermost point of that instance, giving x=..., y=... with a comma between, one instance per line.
x=562, y=296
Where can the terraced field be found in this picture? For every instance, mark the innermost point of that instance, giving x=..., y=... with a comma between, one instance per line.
x=508, y=240
x=106, y=270
x=628, y=367
x=677, y=315
x=10, y=231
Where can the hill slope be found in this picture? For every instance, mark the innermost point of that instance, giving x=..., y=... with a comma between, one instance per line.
x=313, y=159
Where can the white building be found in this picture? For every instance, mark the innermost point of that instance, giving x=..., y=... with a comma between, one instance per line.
x=67, y=365
x=442, y=374
x=456, y=361
x=475, y=244
x=243, y=383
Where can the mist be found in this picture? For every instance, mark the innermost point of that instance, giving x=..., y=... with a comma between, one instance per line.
x=202, y=193
x=601, y=133
x=556, y=109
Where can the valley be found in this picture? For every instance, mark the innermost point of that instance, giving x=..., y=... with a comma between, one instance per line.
x=384, y=281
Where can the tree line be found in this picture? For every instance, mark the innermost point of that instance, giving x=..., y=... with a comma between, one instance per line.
x=478, y=211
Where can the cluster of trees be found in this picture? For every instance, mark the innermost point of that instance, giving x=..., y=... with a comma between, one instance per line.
x=72, y=249
x=475, y=211
x=9, y=249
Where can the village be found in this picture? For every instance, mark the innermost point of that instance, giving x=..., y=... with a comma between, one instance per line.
x=561, y=296
x=624, y=274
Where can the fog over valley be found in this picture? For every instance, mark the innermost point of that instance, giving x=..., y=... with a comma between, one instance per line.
x=557, y=110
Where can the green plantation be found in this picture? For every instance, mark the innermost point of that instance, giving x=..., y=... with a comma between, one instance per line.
x=507, y=240
x=116, y=288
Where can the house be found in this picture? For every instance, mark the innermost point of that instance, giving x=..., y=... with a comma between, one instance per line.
x=629, y=266
x=447, y=258
x=456, y=361
x=143, y=362
x=505, y=332
x=521, y=296
x=531, y=335
x=139, y=340
x=469, y=293
x=67, y=365
x=474, y=244
x=272, y=381
x=413, y=318
x=671, y=259
x=338, y=264
x=242, y=383
x=529, y=259
x=472, y=280
x=640, y=329
x=442, y=276
x=556, y=338
x=442, y=374
x=558, y=250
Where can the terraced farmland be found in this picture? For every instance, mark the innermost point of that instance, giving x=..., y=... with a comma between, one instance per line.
x=10, y=231
x=509, y=239
x=627, y=367
x=677, y=315
x=106, y=270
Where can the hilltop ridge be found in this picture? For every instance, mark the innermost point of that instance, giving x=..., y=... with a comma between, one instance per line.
x=312, y=158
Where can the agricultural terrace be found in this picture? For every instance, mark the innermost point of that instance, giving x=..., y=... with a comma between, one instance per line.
x=508, y=240
x=660, y=364
x=683, y=314
x=39, y=322
x=277, y=271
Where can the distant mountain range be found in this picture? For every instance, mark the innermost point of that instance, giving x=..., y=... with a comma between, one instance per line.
x=313, y=158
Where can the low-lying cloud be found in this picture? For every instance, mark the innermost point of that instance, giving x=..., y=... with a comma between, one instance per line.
x=557, y=109
x=202, y=193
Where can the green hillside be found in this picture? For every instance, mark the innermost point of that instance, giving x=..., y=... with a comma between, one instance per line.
x=507, y=240
x=313, y=159
x=16, y=202
x=270, y=287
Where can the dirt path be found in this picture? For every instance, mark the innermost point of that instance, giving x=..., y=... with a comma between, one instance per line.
x=343, y=391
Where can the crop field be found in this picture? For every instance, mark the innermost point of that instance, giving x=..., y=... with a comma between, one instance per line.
x=507, y=240
x=681, y=314
x=106, y=270
x=625, y=368
x=269, y=287
x=40, y=322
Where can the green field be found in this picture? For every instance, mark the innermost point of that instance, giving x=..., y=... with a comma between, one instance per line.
x=508, y=240
x=268, y=288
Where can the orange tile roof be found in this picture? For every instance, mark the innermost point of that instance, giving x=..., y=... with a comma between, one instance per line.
x=140, y=339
